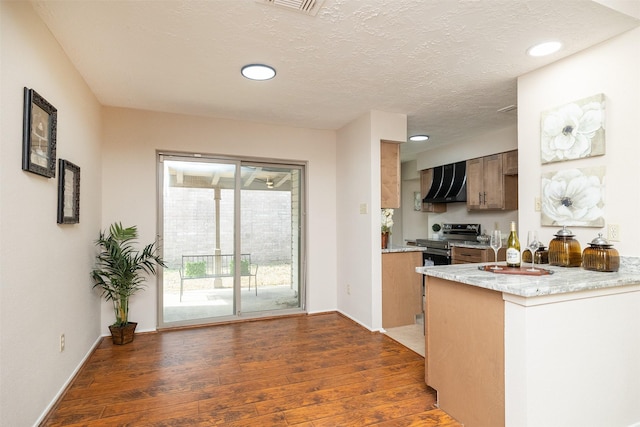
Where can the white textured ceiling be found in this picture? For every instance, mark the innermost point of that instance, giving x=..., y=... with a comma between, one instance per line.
x=449, y=65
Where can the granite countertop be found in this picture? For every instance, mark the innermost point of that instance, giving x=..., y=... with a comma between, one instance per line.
x=563, y=280
x=394, y=249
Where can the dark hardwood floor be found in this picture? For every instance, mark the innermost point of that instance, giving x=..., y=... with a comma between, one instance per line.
x=320, y=370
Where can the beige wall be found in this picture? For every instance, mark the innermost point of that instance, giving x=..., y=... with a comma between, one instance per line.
x=45, y=288
x=612, y=68
x=359, y=286
x=131, y=138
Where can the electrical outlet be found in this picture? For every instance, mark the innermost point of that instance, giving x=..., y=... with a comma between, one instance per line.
x=538, y=204
x=613, y=232
x=364, y=208
x=62, y=343
x=348, y=289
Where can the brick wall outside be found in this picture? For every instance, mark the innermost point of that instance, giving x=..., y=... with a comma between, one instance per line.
x=190, y=226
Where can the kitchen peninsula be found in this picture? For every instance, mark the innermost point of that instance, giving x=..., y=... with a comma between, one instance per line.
x=554, y=350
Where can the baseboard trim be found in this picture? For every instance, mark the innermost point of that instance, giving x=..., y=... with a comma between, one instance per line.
x=67, y=384
x=359, y=322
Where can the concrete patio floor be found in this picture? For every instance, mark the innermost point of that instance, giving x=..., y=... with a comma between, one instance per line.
x=218, y=302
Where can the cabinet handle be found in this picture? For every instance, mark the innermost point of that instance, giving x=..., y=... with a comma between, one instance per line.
x=484, y=198
x=479, y=198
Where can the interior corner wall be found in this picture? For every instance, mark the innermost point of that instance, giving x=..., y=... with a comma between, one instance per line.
x=611, y=68
x=45, y=286
x=355, y=266
x=358, y=234
x=132, y=138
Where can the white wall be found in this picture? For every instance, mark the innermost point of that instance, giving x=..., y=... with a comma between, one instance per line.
x=129, y=193
x=566, y=353
x=612, y=68
x=473, y=146
x=45, y=287
x=358, y=245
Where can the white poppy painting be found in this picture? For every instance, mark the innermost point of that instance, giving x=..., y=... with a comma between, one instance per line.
x=573, y=131
x=573, y=197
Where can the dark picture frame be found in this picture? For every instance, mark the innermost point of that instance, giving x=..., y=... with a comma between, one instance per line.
x=39, y=135
x=68, y=193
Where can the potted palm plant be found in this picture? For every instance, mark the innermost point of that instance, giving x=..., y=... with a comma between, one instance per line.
x=120, y=272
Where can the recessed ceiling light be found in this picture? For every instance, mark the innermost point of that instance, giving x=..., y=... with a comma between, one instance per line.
x=546, y=48
x=258, y=72
x=418, y=138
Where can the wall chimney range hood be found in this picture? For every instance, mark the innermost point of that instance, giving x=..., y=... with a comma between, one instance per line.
x=449, y=184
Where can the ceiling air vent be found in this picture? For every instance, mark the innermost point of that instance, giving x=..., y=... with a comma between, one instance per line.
x=308, y=7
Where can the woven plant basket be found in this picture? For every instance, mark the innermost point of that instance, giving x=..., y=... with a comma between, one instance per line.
x=123, y=334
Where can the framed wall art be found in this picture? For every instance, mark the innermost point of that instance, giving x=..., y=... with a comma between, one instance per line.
x=417, y=201
x=573, y=197
x=39, y=135
x=573, y=131
x=68, y=193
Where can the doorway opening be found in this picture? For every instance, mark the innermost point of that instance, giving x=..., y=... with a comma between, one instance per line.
x=232, y=234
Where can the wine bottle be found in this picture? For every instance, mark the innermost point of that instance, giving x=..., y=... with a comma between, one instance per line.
x=513, y=248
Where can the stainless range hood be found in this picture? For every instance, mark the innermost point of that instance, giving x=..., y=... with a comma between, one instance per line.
x=449, y=184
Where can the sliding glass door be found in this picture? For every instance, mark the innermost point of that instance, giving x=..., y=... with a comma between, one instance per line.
x=231, y=233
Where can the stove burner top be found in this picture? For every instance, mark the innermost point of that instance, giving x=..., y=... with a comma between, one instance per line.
x=452, y=232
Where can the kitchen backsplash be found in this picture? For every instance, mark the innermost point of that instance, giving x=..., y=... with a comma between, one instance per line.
x=420, y=227
x=457, y=213
x=410, y=224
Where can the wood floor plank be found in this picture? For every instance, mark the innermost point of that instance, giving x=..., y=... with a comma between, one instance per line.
x=305, y=371
x=375, y=415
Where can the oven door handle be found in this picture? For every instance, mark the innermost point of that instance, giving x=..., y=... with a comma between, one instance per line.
x=433, y=251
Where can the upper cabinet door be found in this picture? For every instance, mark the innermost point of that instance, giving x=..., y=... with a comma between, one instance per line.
x=475, y=183
x=510, y=162
x=389, y=174
x=492, y=182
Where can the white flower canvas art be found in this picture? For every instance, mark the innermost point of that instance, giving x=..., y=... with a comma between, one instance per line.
x=573, y=197
x=573, y=131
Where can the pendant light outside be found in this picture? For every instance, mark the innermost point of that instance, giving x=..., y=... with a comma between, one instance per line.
x=258, y=72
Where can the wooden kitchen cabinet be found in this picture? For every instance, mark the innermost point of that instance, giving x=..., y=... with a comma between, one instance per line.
x=426, y=178
x=401, y=288
x=465, y=255
x=390, y=174
x=492, y=182
x=510, y=162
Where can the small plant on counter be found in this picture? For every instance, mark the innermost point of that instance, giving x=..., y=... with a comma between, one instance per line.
x=387, y=220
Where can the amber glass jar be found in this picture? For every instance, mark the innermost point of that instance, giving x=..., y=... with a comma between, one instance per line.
x=600, y=256
x=564, y=250
x=542, y=255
